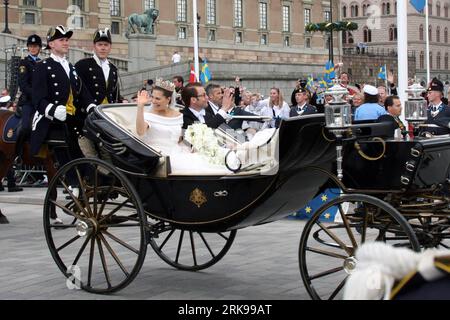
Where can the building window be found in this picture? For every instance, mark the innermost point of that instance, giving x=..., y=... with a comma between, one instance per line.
x=364, y=7
x=182, y=33
x=354, y=10
x=115, y=8
x=370, y=72
x=115, y=27
x=29, y=3
x=438, y=34
x=307, y=16
x=438, y=9
x=392, y=33
x=211, y=12
x=79, y=4
x=182, y=10
x=286, y=19
x=239, y=37
x=367, y=35
x=438, y=61
x=350, y=38
x=430, y=33
x=308, y=43
x=446, y=61
x=30, y=18
x=238, y=14
x=77, y=22
x=211, y=35
x=344, y=37
x=344, y=11
x=287, y=42
x=422, y=60
x=327, y=16
x=149, y=4
x=395, y=7
x=430, y=7
x=263, y=40
x=446, y=35
x=431, y=60
x=446, y=10
x=263, y=15
x=421, y=32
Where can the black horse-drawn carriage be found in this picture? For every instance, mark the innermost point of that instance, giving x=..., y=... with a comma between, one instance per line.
x=392, y=190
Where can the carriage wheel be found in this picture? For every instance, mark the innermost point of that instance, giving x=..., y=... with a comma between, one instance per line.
x=101, y=245
x=190, y=250
x=327, y=250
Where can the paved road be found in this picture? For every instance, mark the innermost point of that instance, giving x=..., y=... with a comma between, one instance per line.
x=262, y=263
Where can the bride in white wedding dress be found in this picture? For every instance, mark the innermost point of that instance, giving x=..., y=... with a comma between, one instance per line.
x=160, y=127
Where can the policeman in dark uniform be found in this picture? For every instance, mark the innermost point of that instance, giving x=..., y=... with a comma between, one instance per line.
x=25, y=104
x=438, y=122
x=101, y=78
x=60, y=99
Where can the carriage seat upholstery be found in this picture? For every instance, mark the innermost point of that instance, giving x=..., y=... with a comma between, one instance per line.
x=125, y=117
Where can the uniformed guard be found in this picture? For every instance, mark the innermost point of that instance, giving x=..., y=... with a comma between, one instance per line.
x=101, y=79
x=25, y=104
x=59, y=98
x=438, y=122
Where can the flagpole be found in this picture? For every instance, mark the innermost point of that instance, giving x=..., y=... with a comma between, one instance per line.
x=385, y=80
x=194, y=19
x=427, y=39
x=402, y=48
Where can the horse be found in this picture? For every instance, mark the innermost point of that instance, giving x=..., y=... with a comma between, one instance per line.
x=145, y=21
x=8, y=154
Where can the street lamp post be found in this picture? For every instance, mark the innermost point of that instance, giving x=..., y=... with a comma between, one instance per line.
x=330, y=44
x=6, y=30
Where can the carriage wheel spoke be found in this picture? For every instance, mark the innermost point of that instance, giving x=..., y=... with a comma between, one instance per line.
x=207, y=245
x=193, y=248
x=95, y=190
x=335, y=238
x=83, y=192
x=104, y=264
x=166, y=239
x=62, y=226
x=77, y=202
x=225, y=237
x=326, y=253
x=121, y=242
x=364, y=227
x=347, y=227
x=326, y=273
x=180, y=242
x=82, y=249
x=121, y=225
x=339, y=288
x=444, y=245
x=113, y=254
x=120, y=206
x=63, y=208
x=91, y=261
x=68, y=243
x=102, y=207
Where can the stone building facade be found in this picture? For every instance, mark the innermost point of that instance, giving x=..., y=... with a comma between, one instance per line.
x=230, y=30
x=377, y=32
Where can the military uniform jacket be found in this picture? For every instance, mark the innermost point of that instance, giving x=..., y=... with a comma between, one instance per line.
x=94, y=80
x=52, y=86
x=442, y=119
x=26, y=68
x=309, y=109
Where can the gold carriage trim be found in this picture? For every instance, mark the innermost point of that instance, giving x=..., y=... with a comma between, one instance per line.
x=198, y=197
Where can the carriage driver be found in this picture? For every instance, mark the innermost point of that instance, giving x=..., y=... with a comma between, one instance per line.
x=60, y=99
x=101, y=78
x=26, y=69
x=438, y=113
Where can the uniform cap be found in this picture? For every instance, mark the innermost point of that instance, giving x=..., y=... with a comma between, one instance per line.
x=102, y=35
x=34, y=39
x=370, y=90
x=58, y=32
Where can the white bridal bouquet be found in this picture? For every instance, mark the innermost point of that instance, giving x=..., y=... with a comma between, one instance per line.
x=204, y=141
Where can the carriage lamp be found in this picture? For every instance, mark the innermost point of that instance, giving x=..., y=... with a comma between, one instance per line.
x=338, y=118
x=416, y=106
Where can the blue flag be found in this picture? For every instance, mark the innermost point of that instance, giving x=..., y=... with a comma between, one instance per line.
x=310, y=82
x=419, y=5
x=382, y=73
x=322, y=83
x=205, y=74
x=329, y=72
x=328, y=216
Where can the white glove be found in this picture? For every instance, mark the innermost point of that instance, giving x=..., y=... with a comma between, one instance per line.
x=61, y=113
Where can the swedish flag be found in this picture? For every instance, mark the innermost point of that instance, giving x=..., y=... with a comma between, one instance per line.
x=310, y=82
x=322, y=83
x=329, y=72
x=205, y=75
x=382, y=73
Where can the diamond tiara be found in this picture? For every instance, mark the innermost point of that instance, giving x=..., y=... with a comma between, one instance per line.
x=166, y=85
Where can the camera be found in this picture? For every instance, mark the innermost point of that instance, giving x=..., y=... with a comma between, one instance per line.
x=150, y=82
